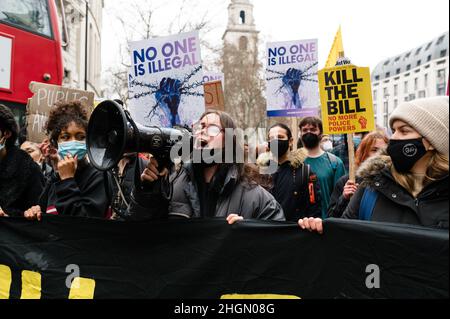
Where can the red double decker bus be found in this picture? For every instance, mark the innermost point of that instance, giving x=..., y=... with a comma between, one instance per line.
x=30, y=50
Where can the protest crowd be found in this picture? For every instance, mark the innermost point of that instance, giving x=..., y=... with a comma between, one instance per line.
x=297, y=175
x=310, y=185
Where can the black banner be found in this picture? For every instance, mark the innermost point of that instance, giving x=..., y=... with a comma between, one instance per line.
x=208, y=259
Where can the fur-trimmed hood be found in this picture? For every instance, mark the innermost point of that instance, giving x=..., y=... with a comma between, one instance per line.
x=372, y=169
x=296, y=158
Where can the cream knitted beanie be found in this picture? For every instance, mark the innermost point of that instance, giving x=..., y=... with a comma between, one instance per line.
x=429, y=117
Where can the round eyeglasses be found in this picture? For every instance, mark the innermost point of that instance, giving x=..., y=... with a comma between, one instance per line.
x=211, y=130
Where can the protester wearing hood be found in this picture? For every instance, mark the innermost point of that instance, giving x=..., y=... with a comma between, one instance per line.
x=409, y=184
x=77, y=188
x=21, y=181
x=371, y=146
x=294, y=185
x=327, y=167
x=207, y=187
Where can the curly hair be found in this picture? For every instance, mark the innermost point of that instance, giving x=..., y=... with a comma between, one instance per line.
x=62, y=115
x=8, y=123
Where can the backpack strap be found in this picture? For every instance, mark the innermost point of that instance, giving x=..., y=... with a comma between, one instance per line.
x=367, y=205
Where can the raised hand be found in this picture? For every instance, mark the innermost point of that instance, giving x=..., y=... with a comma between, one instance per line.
x=67, y=167
x=169, y=97
x=363, y=122
x=292, y=81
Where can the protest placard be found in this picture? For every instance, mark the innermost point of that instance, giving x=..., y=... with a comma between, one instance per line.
x=44, y=98
x=214, y=96
x=346, y=97
x=291, y=77
x=213, y=76
x=166, y=81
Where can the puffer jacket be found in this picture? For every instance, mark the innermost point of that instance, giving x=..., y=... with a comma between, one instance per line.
x=248, y=201
x=395, y=204
x=21, y=182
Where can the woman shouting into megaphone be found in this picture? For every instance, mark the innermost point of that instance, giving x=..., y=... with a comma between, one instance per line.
x=211, y=185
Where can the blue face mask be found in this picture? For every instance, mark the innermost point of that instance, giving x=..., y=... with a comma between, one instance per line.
x=2, y=145
x=357, y=141
x=75, y=148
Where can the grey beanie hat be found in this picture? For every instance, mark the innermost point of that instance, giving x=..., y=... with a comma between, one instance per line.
x=429, y=117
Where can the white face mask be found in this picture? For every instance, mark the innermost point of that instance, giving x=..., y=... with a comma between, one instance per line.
x=327, y=146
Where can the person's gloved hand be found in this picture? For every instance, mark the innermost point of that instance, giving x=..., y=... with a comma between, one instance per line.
x=169, y=97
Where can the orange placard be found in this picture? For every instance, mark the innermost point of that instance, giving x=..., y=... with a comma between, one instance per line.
x=214, y=95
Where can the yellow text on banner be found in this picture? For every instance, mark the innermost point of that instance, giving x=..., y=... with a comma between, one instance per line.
x=31, y=285
x=5, y=281
x=82, y=288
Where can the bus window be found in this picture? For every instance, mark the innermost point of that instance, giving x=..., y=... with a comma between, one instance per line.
x=30, y=15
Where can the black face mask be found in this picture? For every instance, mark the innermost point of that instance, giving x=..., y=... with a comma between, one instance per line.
x=406, y=153
x=279, y=147
x=311, y=140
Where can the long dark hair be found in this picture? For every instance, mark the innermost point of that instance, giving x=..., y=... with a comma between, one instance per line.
x=246, y=174
x=284, y=127
x=8, y=123
x=62, y=115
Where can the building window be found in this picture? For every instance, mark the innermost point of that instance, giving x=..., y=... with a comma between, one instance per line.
x=422, y=94
x=441, y=90
x=386, y=113
x=429, y=58
x=407, y=55
x=377, y=78
x=425, y=80
x=396, y=90
x=443, y=53
x=387, y=62
x=440, y=40
x=398, y=71
x=406, y=91
x=388, y=74
x=418, y=51
x=243, y=44
x=395, y=104
x=375, y=94
x=428, y=46
x=416, y=84
x=441, y=76
x=419, y=62
x=408, y=67
x=242, y=17
x=385, y=93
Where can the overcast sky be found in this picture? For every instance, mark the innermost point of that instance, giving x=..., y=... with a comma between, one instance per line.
x=372, y=30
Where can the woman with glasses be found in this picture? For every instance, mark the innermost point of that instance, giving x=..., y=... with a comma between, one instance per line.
x=215, y=183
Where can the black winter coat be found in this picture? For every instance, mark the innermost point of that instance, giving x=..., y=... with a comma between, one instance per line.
x=396, y=205
x=338, y=203
x=248, y=201
x=298, y=194
x=88, y=194
x=21, y=182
